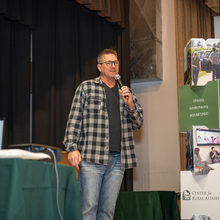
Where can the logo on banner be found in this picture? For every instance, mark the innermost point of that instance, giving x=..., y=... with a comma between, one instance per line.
x=186, y=195
x=199, y=195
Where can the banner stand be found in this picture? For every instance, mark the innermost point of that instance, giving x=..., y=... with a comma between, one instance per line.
x=200, y=195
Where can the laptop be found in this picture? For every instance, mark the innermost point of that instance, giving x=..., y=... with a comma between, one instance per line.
x=2, y=121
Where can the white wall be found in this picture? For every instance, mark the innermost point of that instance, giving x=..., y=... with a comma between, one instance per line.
x=157, y=143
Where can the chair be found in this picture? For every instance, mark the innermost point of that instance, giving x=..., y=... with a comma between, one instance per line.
x=200, y=169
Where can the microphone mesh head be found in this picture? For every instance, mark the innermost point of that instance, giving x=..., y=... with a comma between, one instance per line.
x=117, y=76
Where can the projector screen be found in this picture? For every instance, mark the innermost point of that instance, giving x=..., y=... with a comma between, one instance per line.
x=208, y=137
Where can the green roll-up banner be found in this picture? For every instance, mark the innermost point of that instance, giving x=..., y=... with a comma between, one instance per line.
x=199, y=105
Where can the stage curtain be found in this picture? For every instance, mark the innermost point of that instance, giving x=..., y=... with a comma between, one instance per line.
x=67, y=37
x=22, y=11
x=66, y=41
x=112, y=10
x=193, y=19
x=14, y=81
x=214, y=5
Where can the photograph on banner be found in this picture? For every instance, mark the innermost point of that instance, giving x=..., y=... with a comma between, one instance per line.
x=201, y=61
x=202, y=149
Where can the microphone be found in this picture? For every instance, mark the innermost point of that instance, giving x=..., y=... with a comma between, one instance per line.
x=119, y=82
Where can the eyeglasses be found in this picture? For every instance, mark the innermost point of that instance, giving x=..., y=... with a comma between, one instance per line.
x=109, y=63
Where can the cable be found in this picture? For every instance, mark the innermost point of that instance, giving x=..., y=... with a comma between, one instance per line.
x=55, y=166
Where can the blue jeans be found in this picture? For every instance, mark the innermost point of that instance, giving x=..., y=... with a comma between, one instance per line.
x=99, y=186
x=195, y=76
x=204, y=62
x=215, y=71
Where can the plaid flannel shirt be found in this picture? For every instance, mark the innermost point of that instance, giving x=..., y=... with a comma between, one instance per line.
x=88, y=125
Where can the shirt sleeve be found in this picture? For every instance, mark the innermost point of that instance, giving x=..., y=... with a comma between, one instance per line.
x=135, y=114
x=74, y=122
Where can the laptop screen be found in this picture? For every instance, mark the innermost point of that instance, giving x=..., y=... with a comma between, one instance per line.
x=1, y=131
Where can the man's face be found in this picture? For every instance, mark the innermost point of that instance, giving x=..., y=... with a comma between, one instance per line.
x=105, y=71
x=213, y=149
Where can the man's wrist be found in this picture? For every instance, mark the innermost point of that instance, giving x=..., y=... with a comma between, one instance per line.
x=71, y=147
x=131, y=107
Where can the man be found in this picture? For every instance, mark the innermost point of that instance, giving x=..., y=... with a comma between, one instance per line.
x=215, y=157
x=214, y=59
x=196, y=68
x=99, y=138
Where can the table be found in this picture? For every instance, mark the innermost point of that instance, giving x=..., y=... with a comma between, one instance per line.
x=152, y=205
x=28, y=191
